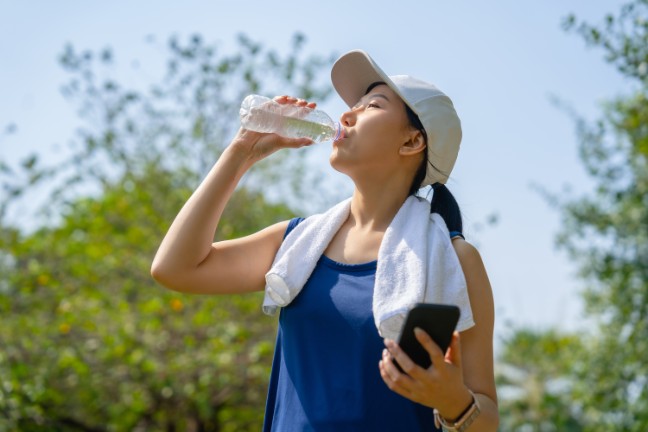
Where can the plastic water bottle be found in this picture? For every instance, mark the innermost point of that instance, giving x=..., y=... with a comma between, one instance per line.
x=262, y=114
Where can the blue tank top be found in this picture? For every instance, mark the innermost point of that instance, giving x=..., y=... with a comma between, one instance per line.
x=325, y=374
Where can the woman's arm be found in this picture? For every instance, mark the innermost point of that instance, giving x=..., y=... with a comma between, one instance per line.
x=477, y=342
x=187, y=260
x=468, y=364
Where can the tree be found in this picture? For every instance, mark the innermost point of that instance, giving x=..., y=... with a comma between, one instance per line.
x=606, y=234
x=88, y=341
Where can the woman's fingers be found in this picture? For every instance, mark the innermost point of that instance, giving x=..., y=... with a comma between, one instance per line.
x=426, y=386
x=406, y=363
x=395, y=380
x=285, y=99
x=436, y=355
x=454, y=352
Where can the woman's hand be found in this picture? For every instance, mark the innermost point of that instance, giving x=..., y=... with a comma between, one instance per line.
x=441, y=386
x=257, y=145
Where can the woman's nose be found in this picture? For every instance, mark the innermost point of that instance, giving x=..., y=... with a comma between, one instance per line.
x=348, y=118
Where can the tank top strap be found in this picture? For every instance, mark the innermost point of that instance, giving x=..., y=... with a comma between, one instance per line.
x=454, y=234
x=292, y=224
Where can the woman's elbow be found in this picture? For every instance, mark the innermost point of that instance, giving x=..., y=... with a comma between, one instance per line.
x=157, y=273
x=164, y=276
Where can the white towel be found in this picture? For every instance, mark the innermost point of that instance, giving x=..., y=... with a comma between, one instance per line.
x=416, y=263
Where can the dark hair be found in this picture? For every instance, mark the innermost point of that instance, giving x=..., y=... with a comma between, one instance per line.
x=443, y=202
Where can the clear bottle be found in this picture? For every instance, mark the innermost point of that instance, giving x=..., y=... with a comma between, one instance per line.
x=262, y=114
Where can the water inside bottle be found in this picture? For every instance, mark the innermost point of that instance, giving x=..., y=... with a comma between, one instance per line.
x=296, y=128
x=315, y=131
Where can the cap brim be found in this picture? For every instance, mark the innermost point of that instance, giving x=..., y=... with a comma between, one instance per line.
x=353, y=73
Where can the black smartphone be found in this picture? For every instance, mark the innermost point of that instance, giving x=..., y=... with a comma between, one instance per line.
x=438, y=320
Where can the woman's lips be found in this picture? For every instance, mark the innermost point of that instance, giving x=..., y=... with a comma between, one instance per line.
x=343, y=135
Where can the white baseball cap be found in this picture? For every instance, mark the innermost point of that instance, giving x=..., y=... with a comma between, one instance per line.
x=355, y=71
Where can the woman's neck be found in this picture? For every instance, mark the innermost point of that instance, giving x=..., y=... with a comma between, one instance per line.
x=373, y=208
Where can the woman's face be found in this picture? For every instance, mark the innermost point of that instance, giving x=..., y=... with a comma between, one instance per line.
x=376, y=127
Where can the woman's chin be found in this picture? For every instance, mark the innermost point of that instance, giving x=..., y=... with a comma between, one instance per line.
x=336, y=163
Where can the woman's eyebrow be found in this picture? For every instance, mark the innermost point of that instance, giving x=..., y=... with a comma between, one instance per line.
x=380, y=95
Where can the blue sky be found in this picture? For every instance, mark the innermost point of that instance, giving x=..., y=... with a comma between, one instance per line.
x=500, y=61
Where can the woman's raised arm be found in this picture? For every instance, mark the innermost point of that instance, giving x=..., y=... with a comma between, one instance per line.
x=187, y=260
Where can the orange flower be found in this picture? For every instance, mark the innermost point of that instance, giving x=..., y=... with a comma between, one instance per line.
x=176, y=305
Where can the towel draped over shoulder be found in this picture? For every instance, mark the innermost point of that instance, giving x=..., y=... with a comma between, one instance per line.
x=416, y=264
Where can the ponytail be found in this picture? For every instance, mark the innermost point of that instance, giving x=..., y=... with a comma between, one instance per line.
x=446, y=206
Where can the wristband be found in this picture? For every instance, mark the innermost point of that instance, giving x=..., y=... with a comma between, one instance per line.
x=464, y=420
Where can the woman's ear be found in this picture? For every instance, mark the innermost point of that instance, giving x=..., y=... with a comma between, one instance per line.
x=414, y=145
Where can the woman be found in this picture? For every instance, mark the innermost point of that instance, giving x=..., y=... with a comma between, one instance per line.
x=332, y=369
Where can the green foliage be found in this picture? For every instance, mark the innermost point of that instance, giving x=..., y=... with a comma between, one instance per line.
x=535, y=378
x=88, y=341
x=606, y=234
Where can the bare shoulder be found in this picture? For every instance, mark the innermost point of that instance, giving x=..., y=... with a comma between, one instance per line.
x=467, y=253
x=479, y=288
